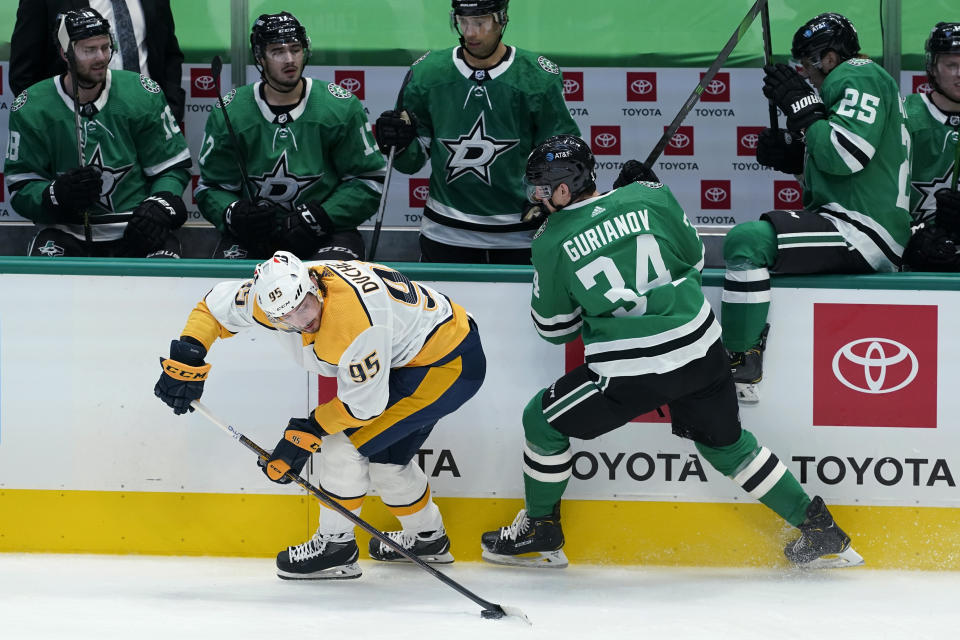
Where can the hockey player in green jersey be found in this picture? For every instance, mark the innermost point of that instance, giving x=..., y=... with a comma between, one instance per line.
x=124, y=197
x=851, y=144
x=313, y=172
x=933, y=120
x=474, y=112
x=622, y=271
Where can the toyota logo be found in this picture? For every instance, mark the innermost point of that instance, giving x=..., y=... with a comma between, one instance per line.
x=350, y=84
x=716, y=87
x=680, y=141
x=876, y=358
x=570, y=85
x=421, y=192
x=789, y=195
x=924, y=88
x=641, y=87
x=749, y=141
x=715, y=194
x=605, y=140
x=204, y=83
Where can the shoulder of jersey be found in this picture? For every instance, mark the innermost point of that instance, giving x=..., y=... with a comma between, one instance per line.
x=545, y=67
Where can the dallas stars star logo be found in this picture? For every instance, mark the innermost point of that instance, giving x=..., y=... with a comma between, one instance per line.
x=280, y=186
x=474, y=152
x=927, y=202
x=111, y=178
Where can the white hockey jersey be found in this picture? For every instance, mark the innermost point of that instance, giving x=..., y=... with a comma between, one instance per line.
x=373, y=319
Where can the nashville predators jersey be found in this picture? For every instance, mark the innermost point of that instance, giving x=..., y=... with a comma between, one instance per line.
x=373, y=319
x=934, y=136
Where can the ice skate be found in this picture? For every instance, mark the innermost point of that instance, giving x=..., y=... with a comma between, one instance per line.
x=429, y=546
x=322, y=557
x=747, y=369
x=528, y=542
x=822, y=544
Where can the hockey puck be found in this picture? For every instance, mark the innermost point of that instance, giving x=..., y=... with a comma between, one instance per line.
x=492, y=614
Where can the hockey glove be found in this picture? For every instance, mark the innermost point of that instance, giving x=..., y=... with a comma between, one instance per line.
x=780, y=150
x=301, y=231
x=184, y=373
x=931, y=249
x=947, y=214
x=301, y=439
x=152, y=222
x=634, y=171
x=251, y=222
x=395, y=129
x=72, y=192
x=798, y=100
x=534, y=214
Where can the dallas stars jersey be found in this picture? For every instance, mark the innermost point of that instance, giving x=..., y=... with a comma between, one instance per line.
x=934, y=137
x=133, y=138
x=322, y=150
x=858, y=162
x=477, y=128
x=622, y=270
x=374, y=319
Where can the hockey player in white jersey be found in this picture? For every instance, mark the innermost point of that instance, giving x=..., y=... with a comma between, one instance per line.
x=404, y=355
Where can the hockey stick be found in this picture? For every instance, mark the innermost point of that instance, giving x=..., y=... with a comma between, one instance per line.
x=704, y=81
x=768, y=57
x=956, y=161
x=216, y=66
x=490, y=609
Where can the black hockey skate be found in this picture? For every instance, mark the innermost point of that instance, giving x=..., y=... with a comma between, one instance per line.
x=747, y=369
x=822, y=544
x=429, y=546
x=528, y=542
x=322, y=557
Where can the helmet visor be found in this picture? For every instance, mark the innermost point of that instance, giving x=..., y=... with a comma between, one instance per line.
x=305, y=318
x=537, y=192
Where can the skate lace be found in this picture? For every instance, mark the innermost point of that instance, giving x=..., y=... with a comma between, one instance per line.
x=309, y=549
x=520, y=525
x=402, y=538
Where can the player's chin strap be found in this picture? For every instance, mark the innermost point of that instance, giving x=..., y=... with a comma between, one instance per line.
x=490, y=609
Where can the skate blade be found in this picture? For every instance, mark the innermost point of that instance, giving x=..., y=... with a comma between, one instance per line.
x=846, y=558
x=434, y=558
x=540, y=560
x=343, y=572
x=747, y=393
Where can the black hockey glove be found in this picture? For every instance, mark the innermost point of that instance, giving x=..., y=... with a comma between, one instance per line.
x=152, y=222
x=947, y=214
x=395, y=129
x=534, y=214
x=796, y=99
x=184, y=373
x=780, y=150
x=251, y=222
x=301, y=439
x=301, y=231
x=72, y=192
x=634, y=171
x=931, y=249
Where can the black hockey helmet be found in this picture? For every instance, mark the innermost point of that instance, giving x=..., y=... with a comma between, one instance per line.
x=277, y=28
x=80, y=24
x=826, y=32
x=944, y=38
x=481, y=8
x=562, y=159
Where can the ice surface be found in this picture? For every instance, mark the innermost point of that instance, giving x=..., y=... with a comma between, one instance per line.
x=85, y=597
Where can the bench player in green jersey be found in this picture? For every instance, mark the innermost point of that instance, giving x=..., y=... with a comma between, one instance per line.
x=849, y=140
x=474, y=112
x=124, y=197
x=933, y=120
x=313, y=170
x=622, y=271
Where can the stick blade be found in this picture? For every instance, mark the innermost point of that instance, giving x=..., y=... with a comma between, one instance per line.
x=499, y=611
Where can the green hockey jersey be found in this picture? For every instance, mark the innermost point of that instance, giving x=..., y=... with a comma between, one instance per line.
x=934, y=139
x=477, y=128
x=322, y=150
x=622, y=270
x=858, y=162
x=132, y=137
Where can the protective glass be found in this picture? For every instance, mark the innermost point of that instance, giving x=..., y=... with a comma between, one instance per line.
x=476, y=23
x=537, y=192
x=280, y=52
x=301, y=317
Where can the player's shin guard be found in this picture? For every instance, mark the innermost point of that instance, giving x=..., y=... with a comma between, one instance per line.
x=761, y=474
x=547, y=460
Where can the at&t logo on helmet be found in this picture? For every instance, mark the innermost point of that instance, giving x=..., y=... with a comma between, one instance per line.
x=681, y=144
x=747, y=138
x=605, y=140
x=351, y=80
x=641, y=86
